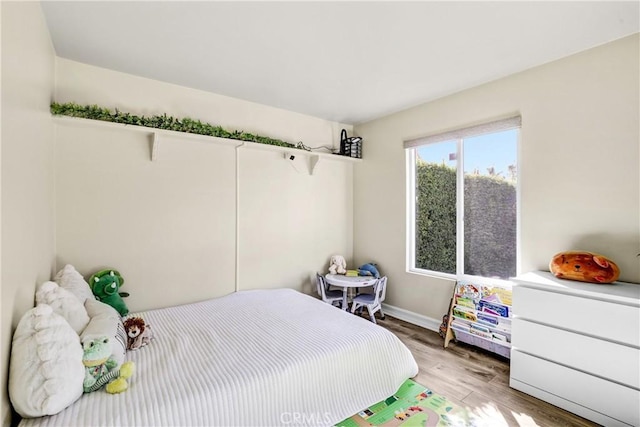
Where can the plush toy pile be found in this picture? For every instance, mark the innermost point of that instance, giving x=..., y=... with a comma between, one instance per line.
x=69, y=344
x=338, y=265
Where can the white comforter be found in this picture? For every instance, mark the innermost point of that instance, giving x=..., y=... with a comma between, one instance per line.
x=252, y=358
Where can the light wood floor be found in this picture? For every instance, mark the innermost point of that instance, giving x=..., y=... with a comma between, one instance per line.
x=476, y=379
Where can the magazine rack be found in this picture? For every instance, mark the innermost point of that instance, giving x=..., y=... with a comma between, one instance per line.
x=480, y=315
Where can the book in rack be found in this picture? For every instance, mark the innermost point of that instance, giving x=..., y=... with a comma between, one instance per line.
x=480, y=315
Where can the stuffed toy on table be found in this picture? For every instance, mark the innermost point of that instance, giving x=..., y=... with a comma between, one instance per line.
x=338, y=265
x=369, y=269
x=105, y=285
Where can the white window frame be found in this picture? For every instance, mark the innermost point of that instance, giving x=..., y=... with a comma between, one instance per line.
x=456, y=135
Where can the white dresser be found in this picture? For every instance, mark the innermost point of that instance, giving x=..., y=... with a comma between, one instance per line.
x=577, y=346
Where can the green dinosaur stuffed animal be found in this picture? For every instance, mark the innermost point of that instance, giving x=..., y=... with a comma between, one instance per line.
x=99, y=367
x=105, y=285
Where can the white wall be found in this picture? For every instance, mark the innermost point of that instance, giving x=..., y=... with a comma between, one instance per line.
x=165, y=225
x=27, y=168
x=290, y=220
x=578, y=168
x=169, y=226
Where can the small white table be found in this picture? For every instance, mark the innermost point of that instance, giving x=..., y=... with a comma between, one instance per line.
x=349, y=282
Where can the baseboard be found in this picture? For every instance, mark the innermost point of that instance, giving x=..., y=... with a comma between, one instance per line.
x=411, y=317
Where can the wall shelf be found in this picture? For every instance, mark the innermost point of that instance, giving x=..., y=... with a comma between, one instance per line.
x=156, y=135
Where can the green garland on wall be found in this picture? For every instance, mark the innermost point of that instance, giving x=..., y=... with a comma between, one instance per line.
x=186, y=124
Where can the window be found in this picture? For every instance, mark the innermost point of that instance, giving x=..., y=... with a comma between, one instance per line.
x=462, y=201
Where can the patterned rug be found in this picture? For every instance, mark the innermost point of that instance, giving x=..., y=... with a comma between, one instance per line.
x=413, y=405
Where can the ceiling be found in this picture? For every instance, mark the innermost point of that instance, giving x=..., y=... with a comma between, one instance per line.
x=349, y=62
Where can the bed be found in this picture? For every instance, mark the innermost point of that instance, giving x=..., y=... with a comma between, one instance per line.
x=252, y=358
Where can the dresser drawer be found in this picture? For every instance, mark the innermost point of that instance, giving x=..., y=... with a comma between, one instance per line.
x=603, y=358
x=615, y=400
x=616, y=322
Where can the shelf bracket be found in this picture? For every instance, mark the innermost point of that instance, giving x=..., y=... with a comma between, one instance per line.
x=313, y=161
x=155, y=142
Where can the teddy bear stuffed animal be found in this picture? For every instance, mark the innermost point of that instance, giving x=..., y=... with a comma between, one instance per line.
x=338, y=265
x=138, y=333
x=584, y=267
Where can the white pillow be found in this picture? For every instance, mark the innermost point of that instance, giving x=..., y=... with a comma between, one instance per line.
x=63, y=303
x=71, y=280
x=105, y=321
x=46, y=370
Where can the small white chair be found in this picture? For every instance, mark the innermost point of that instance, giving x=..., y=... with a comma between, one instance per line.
x=330, y=297
x=373, y=301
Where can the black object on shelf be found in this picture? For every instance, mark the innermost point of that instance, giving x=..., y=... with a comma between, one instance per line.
x=350, y=147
